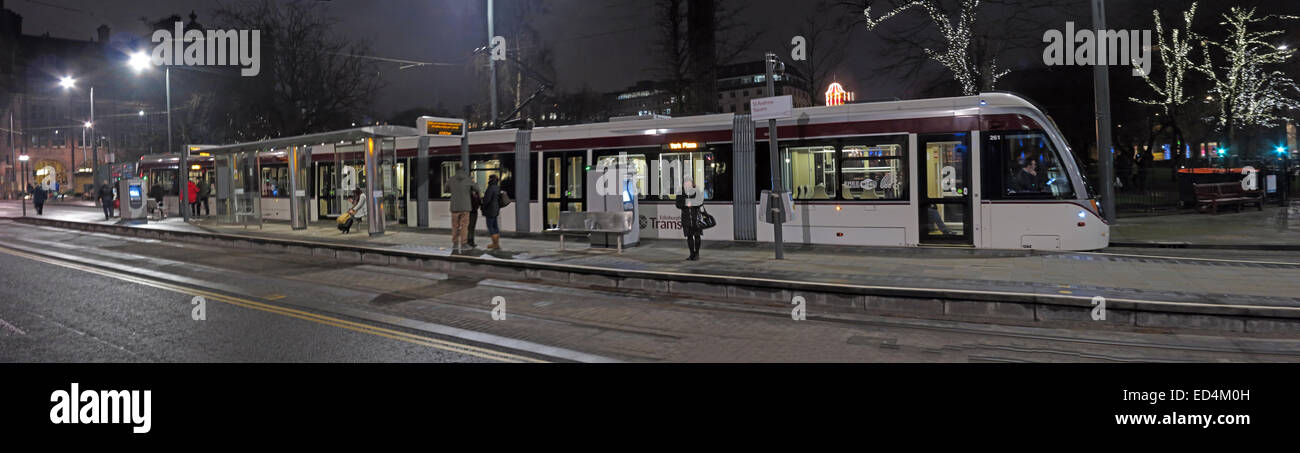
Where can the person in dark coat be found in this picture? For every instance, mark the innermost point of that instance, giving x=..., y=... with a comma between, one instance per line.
x=106, y=199
x=475, y=203
x=689, y=204
x=492, y=211
x=38, y=198
x=205, y=192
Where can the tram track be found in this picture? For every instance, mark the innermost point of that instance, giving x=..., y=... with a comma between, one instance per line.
x=1020, y=332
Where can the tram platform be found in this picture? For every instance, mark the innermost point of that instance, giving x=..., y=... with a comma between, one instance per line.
x=1236, y=280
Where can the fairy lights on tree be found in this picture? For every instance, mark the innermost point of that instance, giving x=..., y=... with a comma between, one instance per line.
x=1248, y=94
x=1175, y=55
x=1171, y=90
x=957, y=32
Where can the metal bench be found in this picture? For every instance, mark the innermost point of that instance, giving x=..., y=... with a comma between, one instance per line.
x=587, y=223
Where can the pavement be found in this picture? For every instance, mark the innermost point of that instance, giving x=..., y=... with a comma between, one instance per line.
x=1225, y=277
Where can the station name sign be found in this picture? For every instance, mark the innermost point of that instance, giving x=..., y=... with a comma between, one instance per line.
x=441, y=127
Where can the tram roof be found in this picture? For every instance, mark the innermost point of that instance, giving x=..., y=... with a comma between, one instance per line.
x=315, y=139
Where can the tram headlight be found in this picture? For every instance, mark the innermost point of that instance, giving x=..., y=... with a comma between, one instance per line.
x=1083, y=215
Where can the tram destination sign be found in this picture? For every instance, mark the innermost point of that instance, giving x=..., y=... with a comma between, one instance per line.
x=440, y=127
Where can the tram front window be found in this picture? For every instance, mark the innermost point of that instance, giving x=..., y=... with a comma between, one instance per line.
x=1027, y=165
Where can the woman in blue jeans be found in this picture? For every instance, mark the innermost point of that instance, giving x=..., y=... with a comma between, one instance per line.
x=492, y=211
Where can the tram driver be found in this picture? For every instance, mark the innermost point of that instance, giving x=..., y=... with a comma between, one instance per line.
x=1028, y=181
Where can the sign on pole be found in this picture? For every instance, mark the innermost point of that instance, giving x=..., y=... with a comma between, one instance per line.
x=774, y=108
x=442, y=127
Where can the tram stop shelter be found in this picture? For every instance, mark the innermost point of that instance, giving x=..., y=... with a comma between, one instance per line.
x=239, y=179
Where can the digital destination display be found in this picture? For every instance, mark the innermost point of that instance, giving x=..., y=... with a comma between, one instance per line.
x=442, y=127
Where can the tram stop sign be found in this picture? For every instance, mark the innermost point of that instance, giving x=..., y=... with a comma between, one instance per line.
x=440, y=127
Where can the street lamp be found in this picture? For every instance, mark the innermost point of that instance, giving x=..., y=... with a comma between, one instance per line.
x=141, y=61
x=67, y=82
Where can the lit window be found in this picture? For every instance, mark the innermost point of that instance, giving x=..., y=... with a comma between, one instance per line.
x=809, y=172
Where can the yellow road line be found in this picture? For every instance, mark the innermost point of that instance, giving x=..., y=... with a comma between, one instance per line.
x=284, y=311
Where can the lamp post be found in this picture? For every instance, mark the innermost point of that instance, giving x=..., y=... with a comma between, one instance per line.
x=22, y=166
x=141, y=61
x=68, y=83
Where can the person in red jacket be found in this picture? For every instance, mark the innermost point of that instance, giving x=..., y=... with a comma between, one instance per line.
x=192, y=192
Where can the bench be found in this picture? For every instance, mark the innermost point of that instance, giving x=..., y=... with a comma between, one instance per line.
x=1226, y=193
x=588, y=223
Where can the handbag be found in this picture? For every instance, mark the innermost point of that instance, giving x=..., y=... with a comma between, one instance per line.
x=343, y=219
x=706, y=220
x=505, y=199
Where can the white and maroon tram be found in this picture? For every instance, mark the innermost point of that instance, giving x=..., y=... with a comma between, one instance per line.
x=989, y=171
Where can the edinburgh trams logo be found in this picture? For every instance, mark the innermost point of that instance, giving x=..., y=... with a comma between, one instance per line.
x=91, y=407
x=214, y=48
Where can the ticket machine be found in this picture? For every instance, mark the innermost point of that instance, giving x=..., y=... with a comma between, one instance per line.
x=131, y=200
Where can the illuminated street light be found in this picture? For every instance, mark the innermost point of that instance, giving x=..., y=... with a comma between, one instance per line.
x=67, y=82
x=142, y=113
x=88, y=124
x=23, y=158
x=139, y=61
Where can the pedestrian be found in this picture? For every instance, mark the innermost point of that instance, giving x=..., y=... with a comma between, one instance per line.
x=106, y=199
x=157, y=193
x=475, y=203
x=689, y=204
x=204, y=193
x=461, y=188
x=192, y=194
x=38, y=199
x=356, y=213
x=492, y=211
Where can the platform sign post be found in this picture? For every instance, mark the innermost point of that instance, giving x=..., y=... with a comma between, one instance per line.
x=772, y=109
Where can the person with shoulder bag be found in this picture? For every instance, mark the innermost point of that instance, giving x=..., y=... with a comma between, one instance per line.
x=690, y=204
x=493, y=200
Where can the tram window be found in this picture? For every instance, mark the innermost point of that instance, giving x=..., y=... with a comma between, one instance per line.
x=874, y=172
x=809, y=172
x=1024, y=165
x=636, y=163
x=164, y=178
x=483, y=170
x=275, y=182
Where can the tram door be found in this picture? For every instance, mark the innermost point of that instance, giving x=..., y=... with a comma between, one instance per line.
x=326, y=190
x=945, y=186
x=564, y=174
x=392, y=182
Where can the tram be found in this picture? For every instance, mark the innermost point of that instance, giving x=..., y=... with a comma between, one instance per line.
x=990, y=171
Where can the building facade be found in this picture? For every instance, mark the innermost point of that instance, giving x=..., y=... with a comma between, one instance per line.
x=48, y=119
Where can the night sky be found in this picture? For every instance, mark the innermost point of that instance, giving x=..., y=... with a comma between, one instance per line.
x=602, y=44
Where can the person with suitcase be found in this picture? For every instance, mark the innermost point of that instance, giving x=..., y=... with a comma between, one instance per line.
x=358, y=211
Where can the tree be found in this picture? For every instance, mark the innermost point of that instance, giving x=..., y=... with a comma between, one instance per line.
x=692, y=39
x=670, y=48
x=1247, y=94
x=310, y=81
x=967, y=45
x=825, y=36
x=1171, y=91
